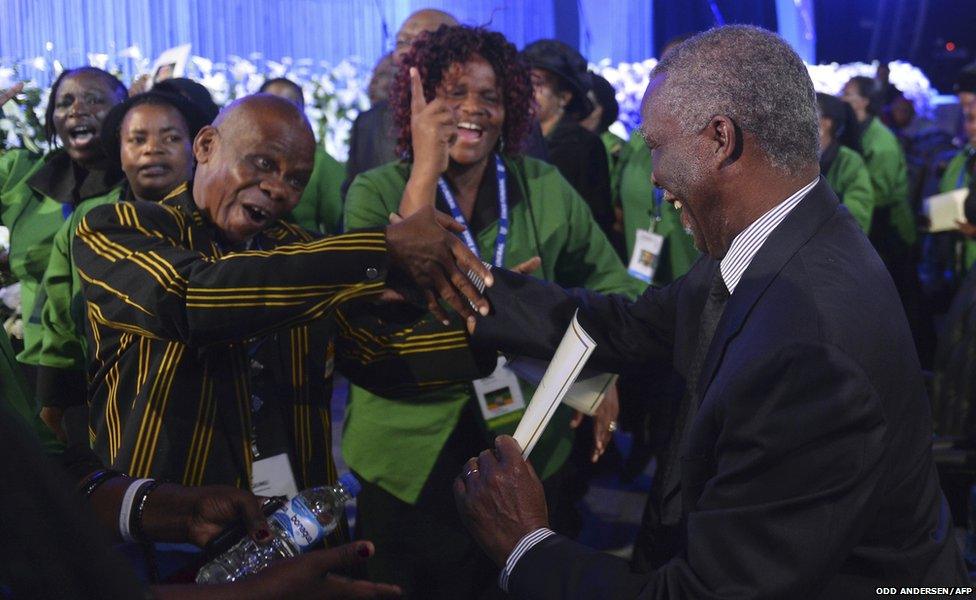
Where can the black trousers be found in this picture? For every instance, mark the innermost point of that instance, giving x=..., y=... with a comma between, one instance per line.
x=424, y=547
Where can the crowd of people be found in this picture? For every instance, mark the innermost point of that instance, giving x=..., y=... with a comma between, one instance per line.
x=751, y=262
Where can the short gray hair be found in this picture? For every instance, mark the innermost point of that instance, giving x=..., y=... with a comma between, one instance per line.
x=753, y=77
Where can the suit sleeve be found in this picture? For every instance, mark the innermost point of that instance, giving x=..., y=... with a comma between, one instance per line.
x=793, y=482
x=139, y=275
x=529, y=317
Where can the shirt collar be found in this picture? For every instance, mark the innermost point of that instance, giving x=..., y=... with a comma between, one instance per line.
x=745, y=245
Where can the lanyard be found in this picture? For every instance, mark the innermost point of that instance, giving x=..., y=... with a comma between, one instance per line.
x=502, y=214
x=658, y=198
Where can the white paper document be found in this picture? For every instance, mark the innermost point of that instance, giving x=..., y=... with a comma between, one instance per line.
x=567, y=363
x=945, y=209
x=585, y=395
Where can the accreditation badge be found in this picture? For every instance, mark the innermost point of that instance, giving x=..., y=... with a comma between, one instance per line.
x=273, y=476
x=647, y=253
x=500, y=397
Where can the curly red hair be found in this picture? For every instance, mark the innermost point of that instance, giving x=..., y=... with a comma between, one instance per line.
x=433, y=54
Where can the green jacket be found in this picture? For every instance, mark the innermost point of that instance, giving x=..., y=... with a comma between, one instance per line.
x=618, y=151
x=849, y=178
x=394, y=444
x=637, y=201
x=33, y=217
x=889, y=177
x=956, y=177
x=320, y=207
x=62, y=358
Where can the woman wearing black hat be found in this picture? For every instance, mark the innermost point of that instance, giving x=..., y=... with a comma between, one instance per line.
x=560, y=82
x=149, y=138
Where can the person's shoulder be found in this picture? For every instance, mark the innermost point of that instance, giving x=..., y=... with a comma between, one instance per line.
x=881, y=137
x=18, y=163
x=531, y=168
x=394, y=173
x=374, y=114
x=846, y=156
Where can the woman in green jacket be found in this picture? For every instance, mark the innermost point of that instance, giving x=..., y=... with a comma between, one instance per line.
x=38, y=194
x=840, y=162
x=893, y=228
x=462, y=103
x=149, y=136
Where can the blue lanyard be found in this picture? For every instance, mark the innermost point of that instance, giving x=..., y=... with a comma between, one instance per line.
x=502, y=214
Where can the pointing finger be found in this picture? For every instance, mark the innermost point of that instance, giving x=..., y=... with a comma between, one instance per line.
x=417, y=100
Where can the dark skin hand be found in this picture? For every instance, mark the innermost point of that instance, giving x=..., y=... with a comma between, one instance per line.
x=500, y=498
x=176, y=513
x=424, y=249
x=310, y=575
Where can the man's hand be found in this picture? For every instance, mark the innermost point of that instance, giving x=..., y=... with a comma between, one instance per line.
x=424, y=249
x=312, y=575
x=8, y=94
x=604, y=422
x=500, y=498
x=176, y=513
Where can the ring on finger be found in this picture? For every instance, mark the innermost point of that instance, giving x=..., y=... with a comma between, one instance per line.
x=612, y=426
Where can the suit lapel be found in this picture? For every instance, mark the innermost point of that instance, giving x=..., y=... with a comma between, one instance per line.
x=798, y=227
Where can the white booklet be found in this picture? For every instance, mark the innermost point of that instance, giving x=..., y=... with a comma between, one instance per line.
x=944, y=210
x=567, y=363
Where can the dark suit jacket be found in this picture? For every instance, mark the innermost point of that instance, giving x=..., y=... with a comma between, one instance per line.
x=807, y=471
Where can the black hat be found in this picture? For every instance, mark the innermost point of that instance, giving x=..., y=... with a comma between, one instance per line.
x=567, y=64
x=966, y=80
x=192, y=91
x=606, y=96
x=111, y=126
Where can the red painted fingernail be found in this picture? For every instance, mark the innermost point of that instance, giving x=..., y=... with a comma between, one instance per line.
x=263, y=534
x=363, y=551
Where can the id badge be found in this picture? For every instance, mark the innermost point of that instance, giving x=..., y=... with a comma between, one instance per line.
x=499, y=396
x=647, y=252
x=273, y=476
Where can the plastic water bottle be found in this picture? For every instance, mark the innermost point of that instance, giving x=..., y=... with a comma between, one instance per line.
x=301, y=523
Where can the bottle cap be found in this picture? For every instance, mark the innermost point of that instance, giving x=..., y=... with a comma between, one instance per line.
x=349, y=483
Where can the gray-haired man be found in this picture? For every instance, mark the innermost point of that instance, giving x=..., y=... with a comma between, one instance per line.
x=801, y=464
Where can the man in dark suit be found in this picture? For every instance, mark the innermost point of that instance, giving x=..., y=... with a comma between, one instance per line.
x=802, y=460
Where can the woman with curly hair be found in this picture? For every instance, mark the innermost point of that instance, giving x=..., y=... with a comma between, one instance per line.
x=463, y=104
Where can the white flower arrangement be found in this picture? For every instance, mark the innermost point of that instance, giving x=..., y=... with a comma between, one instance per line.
x=335, y=94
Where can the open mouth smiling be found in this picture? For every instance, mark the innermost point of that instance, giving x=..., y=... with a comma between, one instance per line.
x=470, y=131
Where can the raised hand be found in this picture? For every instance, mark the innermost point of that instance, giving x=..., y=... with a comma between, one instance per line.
x=8, y=94
x=433, y=129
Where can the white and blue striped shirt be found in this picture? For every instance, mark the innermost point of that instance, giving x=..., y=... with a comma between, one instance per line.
x=743, y=249
x=745, y=245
